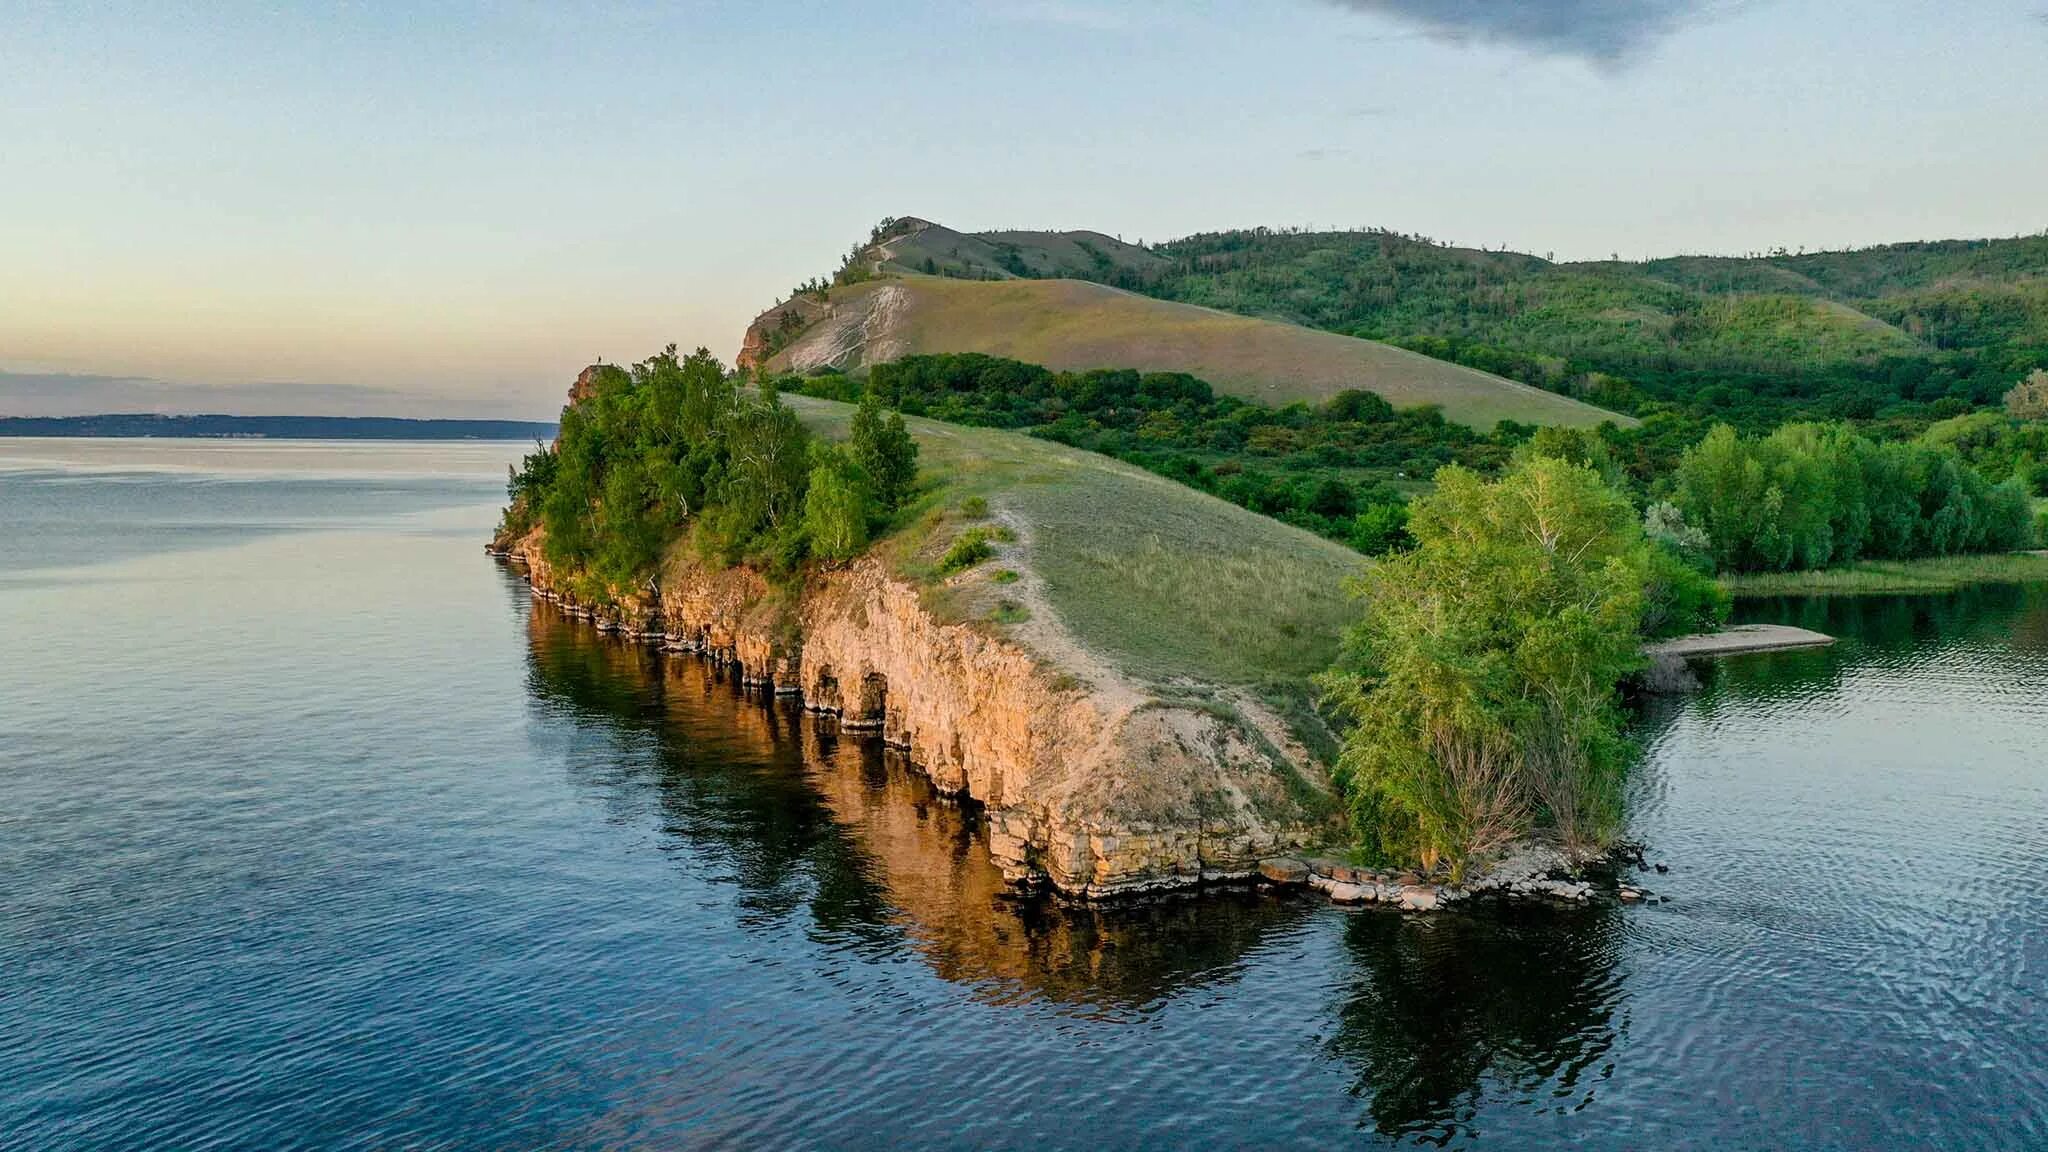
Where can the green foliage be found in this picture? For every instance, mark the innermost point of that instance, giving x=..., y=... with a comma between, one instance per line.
x=837, y=505
x=970, y=548
x=1009, y=612
x=885, y=452
x=1999, y=446
x=974, y=508
x=525, y=487
x=1679, y=599
x=671, y=446
x=1936, y=574
x=1754, y=342
x=1481, y=679
x=1380, y=530
x=1808, y=496
x=1317, y=467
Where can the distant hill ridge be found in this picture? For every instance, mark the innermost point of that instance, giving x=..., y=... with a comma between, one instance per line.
x=144, y=424
x=1766, y=337
x=918, y=287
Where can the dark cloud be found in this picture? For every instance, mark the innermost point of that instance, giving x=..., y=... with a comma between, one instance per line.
x=1603, y=31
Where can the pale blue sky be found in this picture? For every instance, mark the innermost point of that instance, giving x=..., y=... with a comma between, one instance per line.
x=464, y=203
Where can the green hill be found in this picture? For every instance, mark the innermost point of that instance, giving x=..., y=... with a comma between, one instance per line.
x=1756, y=339
x=1913, y=331
x=1254, y=601
x=1074, y=324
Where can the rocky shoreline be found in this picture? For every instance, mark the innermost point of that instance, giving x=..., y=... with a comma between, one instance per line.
x=1089, y=784
x=1532, y=872
x=1018, y=842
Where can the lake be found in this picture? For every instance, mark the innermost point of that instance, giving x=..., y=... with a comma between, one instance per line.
x=315, y=832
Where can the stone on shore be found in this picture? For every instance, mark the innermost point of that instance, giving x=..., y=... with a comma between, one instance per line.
x=1284, y=870
x=1420, y=898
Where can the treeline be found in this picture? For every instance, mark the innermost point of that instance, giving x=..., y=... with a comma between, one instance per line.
x=672, y=446
x=1805, y=496
x=1812, y=496
x=1329, y=468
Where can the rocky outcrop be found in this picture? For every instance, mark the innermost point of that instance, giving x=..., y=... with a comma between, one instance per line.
x=1095, y=788
x=774, y=329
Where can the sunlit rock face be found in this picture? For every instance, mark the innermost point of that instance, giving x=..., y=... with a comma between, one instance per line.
x=1096, y=788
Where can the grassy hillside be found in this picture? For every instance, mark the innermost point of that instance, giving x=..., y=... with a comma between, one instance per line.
x=1166, y=583
x=1071, y=324
x=1904, y=329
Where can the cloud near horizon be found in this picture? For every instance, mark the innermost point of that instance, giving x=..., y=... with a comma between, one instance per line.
x=1607, y=32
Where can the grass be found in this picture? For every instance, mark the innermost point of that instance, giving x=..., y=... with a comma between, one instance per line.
x=1073, y=324
x=1164, y=582
x=1940, y=574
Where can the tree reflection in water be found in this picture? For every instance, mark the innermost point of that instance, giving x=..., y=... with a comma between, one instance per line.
x=1435, y=1015
x=1516, y=999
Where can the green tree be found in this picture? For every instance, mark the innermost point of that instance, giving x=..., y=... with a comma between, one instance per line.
x=1482, y=677
x=885, y=452
x=837, y=505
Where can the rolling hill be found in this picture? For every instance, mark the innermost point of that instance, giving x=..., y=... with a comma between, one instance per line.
x=1907, y=329
x=1077, y=324
x=1766, y=337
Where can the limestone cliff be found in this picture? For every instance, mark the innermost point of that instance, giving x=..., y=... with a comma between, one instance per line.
x=1092, y=783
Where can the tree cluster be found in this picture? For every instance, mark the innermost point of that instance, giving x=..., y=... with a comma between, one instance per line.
x=674, y=445
x=1812, y=495
x=1328, y=468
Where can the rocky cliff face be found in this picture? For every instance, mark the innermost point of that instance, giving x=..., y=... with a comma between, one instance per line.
x=1097, y=788
x=773, y=330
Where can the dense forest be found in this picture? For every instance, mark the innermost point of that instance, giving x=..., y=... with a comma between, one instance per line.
x=1909, y=333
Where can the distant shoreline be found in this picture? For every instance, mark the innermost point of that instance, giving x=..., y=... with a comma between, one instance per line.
x=145, y=425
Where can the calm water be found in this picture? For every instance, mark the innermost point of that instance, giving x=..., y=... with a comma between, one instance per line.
x=315, y=833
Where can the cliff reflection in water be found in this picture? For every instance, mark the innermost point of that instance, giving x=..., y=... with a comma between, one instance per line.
x=796, y=815
x=1425, y=1013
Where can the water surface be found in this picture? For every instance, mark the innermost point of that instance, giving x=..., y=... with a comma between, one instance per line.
x=316, y=833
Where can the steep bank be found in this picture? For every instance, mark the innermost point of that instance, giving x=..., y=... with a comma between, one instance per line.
x=1092, y=780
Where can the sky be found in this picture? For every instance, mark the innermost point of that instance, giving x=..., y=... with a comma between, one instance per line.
x=447, y=209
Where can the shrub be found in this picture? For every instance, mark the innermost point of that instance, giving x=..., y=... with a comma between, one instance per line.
x=1009, y=612
x=1381, y=529
x=971, y=548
